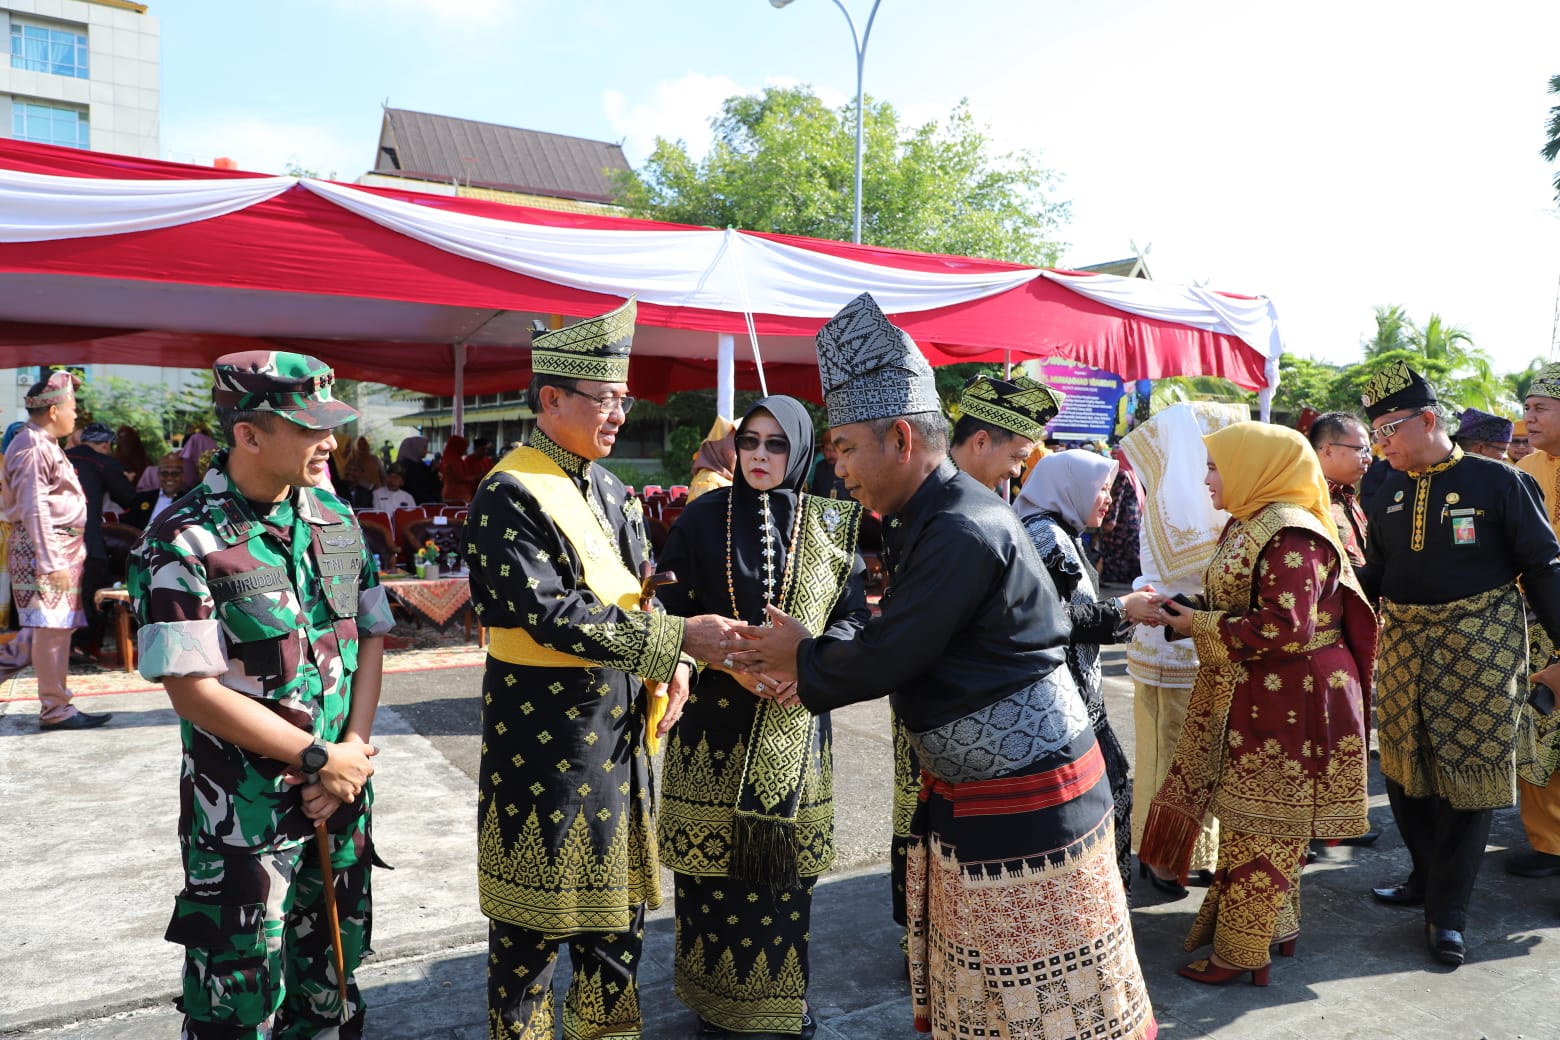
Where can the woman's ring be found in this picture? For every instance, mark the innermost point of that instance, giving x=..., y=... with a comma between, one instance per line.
x=728, y=662
x=760, y=687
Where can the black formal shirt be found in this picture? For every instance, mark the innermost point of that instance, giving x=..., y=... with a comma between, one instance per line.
x=970, y=615
x=99, y=474
x=1481, y=525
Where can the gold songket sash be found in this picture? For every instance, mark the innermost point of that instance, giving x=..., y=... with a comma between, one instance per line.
x=602, y=570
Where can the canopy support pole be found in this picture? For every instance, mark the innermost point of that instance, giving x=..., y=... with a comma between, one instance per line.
x=458, y=415
x=725, y=376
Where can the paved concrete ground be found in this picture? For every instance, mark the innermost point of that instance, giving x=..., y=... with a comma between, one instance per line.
x=90, y=868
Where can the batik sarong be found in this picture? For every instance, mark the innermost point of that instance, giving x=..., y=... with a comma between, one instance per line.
x=1450, y=681
x=53, y=607
x=1019, y=926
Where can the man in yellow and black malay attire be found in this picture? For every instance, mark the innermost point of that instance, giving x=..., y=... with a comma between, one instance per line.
x=1541, y=804
x=1450, y=534
x=566, y=847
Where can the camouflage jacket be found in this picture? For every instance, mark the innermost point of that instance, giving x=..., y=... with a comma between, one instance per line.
x=270, y=605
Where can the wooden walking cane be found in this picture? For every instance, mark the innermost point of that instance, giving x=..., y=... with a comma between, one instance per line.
x=328, y=877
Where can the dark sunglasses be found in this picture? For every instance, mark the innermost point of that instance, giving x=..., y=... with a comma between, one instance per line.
x=773, y=445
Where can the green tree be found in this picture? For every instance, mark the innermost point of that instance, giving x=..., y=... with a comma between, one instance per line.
x=1551, y=149
x=158, y=414
x=1463, y=375
x=1519, y=382
x=782, y=161
x=1392, y=331
x=1307, y=383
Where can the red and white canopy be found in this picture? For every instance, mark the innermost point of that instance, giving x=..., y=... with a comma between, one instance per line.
x=107, y=258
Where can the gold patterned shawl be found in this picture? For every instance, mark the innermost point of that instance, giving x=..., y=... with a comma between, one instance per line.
x=1176, y=815
x=765, y=844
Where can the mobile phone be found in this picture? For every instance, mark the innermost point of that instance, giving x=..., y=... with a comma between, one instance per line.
x=1184, y=600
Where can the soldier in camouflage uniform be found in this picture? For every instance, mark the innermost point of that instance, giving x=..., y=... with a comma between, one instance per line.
x=262, y=616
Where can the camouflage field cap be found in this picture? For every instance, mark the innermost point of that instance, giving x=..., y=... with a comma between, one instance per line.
x=1020, y=404
x=596, y=348
x=294, y=386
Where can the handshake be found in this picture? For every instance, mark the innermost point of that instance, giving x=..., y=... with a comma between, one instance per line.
x=1146, y=606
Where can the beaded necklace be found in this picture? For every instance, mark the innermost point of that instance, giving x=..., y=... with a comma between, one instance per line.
x=767, y=521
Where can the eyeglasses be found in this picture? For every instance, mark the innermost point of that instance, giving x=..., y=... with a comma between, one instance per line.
x=1358, y=449
x=1387, y=430
x=773, y=445
x=606, y=404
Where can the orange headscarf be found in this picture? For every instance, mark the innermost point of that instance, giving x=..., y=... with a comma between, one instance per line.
x=1261, y=464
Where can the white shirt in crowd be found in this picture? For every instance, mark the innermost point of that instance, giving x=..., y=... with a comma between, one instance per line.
x=389, y=501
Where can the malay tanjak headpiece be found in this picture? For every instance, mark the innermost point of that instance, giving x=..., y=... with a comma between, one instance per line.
x=1394, y=388
x=1020, y=404
x=1474, y=425
x=596, y=348
x=61, y=384
x=870, y=368
x=1546, y=383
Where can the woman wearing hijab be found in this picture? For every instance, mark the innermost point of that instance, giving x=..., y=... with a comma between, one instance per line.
x=363, y=473
x=421, y=481
x=747, y=814
x=458, y=485
x=1121, y=526
x=1274, y=743
x=1065, y=494
x=130, y=452
x=716, y=458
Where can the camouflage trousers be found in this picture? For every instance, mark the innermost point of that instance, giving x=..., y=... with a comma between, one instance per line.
x=258, y=963
x=603, y=997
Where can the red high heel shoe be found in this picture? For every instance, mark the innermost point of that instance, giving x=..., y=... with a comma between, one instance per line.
x=1286, y=947
x=1209, y=973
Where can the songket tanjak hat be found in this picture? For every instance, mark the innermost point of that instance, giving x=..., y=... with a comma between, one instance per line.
x=1474, y=425
x=870, y=368
x=596, y=348
x=1020, y=404
x=1395, y=388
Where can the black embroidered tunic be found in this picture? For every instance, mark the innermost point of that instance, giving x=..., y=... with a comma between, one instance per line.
x=564, y=799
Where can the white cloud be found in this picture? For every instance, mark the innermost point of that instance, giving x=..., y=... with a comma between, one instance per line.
x=270, y=147
x=678, y=110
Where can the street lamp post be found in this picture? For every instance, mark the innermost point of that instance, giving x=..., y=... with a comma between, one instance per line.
x=860, y=43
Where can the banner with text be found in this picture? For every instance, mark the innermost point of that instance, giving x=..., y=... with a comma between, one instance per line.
x=1093, y=400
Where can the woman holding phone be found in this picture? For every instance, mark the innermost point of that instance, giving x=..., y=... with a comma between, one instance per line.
x=1274, y=743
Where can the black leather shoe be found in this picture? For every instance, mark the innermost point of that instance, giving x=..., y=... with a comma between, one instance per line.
x=809, y=1027
x=80, y=720
x=1533, y=864
x=1398, y=895
x=1368, y=838
x=1446, y=945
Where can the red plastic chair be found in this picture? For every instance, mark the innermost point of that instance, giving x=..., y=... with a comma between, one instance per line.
x=650, y=489
x=678, y=492
x=628, y=489
x=401, y=519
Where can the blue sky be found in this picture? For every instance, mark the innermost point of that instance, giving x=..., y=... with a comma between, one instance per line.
x=1332, y=155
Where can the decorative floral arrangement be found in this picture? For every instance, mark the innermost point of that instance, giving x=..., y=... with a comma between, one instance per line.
x=429, y=553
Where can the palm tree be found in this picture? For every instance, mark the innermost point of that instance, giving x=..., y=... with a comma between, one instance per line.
x=1471, y=379
x=1463, y=374
x=1518, y=382
x=1551, y=149
x=1392, y=327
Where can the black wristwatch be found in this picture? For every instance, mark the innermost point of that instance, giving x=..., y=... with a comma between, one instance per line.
x=314, y=757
